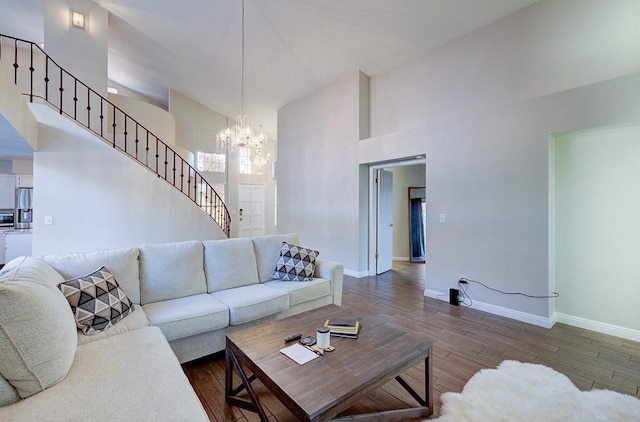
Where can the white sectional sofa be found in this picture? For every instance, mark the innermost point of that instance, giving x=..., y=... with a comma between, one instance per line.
x=186, y=297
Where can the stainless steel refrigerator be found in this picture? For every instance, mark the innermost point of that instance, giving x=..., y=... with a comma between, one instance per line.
x=24, y=208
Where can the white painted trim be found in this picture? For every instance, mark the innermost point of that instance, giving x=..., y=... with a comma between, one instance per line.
x=373, y=220
x=552, y=222
x=357, y=274
x=597, y=326
x=373, y=200
x=499, y=310
x=437, y=295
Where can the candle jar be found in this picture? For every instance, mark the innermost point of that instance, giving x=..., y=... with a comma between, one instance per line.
x=323, y=337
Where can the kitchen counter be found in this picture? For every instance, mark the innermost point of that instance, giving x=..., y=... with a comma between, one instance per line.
x=15, y=231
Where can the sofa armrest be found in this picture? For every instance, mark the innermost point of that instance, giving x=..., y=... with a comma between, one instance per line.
x=334, y=272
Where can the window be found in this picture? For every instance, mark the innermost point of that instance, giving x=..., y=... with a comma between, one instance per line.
x=207, y=161
x=206, y=197
x=219, y=188
x=244, y=161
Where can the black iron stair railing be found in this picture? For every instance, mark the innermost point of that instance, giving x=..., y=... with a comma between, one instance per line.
x=39, y=77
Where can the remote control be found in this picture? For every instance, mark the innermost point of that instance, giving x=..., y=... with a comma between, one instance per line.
x=292, y=337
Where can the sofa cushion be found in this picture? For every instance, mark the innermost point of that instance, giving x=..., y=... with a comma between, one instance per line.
x=135, y=320
x=32, y=270
x=122, y=263
x=37, y=331
x=8, y=394
x=229, y=263
x=171, y=270
x=267, y=250
x=302, y=292
x=97, y=301
x=187, y=316
x=248, y=303
x=134, y=376
x=295, y=263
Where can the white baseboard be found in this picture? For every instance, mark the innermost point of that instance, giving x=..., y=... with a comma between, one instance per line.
x=437, y=295
x=600, y=327
x=498, y=310
x=356, y=274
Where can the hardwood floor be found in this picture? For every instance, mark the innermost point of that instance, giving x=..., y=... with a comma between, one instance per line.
x=465, y=341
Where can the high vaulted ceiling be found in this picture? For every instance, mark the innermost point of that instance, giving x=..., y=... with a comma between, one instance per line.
x=292, y=47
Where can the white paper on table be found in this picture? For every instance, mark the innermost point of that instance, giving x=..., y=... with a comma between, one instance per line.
x=299, y=353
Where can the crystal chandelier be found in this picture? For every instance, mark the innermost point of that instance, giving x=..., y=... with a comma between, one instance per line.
x=258, y=155
x=241, y=135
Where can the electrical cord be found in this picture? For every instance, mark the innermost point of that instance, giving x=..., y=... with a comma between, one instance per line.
x=463, y=297
x=464, y=290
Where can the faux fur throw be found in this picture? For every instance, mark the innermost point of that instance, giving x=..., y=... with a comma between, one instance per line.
x=517, y=391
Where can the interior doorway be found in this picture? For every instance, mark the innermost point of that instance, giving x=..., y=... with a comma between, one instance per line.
x=417, y=197
x=389, y=220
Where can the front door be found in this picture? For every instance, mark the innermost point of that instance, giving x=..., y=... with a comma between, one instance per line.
x=250, y=210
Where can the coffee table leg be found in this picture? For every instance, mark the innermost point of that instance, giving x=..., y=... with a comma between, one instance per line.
x=428, y=380
x=428, y=385
x=254, y=405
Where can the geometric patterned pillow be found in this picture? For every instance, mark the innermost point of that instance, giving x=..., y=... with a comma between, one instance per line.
x=295, y=263
x=97, y=301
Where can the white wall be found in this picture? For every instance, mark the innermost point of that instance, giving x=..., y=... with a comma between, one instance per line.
x=17, y=124
x=196, y=124
x=318, y=174
x=489, y=173
x=597, y=270
x=82, y=52
x=129, y=93
x=155, y=119
x=481, y=110
x=99, y=198
x=22, y=165
x=550, y=46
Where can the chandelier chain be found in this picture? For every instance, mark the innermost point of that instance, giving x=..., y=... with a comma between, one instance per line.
x=242, y=70
x=241, y=135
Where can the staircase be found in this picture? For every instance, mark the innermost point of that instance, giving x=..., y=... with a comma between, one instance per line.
x=40, y=79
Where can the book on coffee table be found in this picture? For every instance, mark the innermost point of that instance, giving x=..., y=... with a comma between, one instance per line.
x=348, y=328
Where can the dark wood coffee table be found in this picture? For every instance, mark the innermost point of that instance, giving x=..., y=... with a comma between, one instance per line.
x=323, y=388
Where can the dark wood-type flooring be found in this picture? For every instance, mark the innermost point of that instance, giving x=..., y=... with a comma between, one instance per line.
x=465, y=341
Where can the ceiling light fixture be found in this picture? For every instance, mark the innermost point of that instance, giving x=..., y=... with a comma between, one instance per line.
x=241, y=135
x=77, y=19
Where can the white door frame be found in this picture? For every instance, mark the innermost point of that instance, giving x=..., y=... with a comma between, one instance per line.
x=373, y=202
